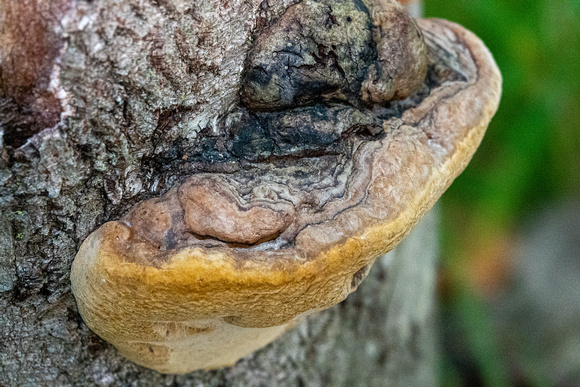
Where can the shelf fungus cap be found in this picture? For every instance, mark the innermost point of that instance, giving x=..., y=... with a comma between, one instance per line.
x=224, y=263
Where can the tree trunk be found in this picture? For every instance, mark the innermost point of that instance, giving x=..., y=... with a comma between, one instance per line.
x=98, y=99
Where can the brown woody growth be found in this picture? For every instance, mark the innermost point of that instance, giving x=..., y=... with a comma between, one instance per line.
x=323, y=184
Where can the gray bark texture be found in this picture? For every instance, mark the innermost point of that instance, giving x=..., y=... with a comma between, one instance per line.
x=97, y=101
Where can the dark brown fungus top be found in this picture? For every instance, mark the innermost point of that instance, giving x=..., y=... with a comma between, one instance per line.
x=316, y=103
x=335, y=50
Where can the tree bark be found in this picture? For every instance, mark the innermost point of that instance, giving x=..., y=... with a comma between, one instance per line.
x=97, y=99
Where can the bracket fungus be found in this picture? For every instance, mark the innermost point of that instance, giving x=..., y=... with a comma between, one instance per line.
x=352, y=120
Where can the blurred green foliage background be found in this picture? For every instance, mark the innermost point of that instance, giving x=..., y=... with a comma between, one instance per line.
x=529, y=157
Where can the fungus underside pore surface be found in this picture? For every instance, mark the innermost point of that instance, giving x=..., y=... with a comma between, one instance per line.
x=298, y=150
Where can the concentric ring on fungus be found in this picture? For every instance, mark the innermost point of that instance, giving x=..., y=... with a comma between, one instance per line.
x=330, y=171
